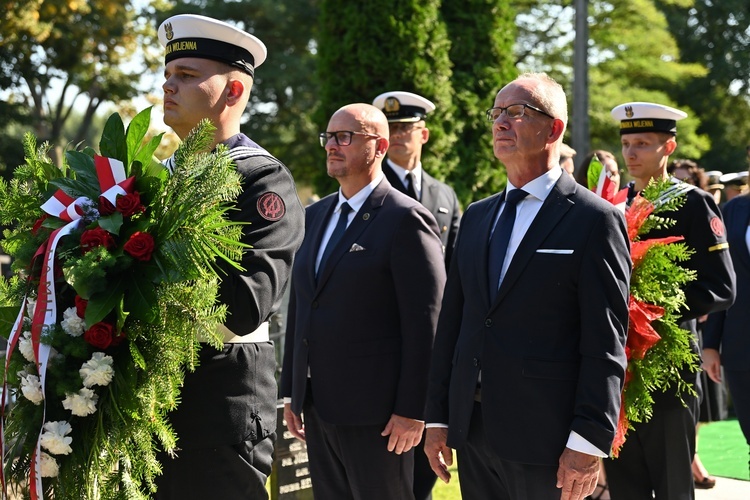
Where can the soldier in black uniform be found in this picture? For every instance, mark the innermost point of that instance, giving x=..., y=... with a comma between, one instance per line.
x=406, y=113
x=657, y=455
x=226, y=419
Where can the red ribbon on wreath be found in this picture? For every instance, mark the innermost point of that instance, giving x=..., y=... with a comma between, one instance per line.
x=112, y=182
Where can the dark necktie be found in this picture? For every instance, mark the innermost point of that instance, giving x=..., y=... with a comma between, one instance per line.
x=500, y=239
x=338, y=232
x=410, y=186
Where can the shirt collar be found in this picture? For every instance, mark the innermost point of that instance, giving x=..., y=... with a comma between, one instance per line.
x=542, y=186
x=401, y=171
x=356, y=201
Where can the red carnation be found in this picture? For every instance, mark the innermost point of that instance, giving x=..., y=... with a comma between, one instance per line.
x=98, y=237
x=130, y=204
x=140, y=246
x=99, y=335
x=81, y=304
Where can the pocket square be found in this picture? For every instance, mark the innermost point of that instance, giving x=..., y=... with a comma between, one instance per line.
x=442, y=210
x=557, y=251
x=356, y=248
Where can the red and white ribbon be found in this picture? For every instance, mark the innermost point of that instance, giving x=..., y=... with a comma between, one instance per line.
x=112, y=182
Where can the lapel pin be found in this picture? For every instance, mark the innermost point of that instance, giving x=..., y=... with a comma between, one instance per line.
x=366, y=216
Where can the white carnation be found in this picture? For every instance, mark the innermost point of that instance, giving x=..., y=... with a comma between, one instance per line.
x=97, y=371
x=31, y=388
x=73, y=324
x=30, y=308
x=26, y=347
x=82, y=403
x=48, y=465
x=55, y=437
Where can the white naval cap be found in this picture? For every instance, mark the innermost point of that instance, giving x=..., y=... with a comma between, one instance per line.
x=714, y=179
x=190, y=35
x=399, y=106
x=734, y=178
x=637, y=117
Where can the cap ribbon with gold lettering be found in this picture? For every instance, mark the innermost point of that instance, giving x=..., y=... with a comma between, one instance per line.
x=637, y=117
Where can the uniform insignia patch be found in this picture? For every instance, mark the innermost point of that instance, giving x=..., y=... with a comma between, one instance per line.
x=717, y=226
x=271, y=206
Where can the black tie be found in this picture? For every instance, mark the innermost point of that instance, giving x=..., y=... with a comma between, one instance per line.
x=410, y=185
x=500, y=239
x=338, y=232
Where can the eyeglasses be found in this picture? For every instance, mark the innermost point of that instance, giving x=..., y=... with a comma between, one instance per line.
x=342, y=137
x=513, y=111
x=402, y=128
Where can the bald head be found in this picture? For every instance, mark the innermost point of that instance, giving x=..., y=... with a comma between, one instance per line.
x=370, y=119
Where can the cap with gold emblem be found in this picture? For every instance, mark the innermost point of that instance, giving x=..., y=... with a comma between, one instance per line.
x=637, y=117
x=714, y=179
x=190, y=35
x=399, y=106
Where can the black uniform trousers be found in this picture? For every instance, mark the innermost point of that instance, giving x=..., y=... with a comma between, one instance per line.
x=655, y=461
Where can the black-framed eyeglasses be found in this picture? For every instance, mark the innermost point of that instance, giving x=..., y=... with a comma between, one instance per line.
x=513, y=111
x=402, y=128
x=342, y=137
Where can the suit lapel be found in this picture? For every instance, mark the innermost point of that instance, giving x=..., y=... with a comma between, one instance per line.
x=553, y=209
x=362, y=220
x=429, y=187
x=393, y=178
x=486, y=222
x=318, y=227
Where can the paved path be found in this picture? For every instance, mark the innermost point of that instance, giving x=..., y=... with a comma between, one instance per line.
x=726, y=489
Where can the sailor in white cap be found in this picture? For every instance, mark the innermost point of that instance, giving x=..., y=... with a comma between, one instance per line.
x=735, y=184
x=648, y=136
x=407, y=114
x=226, y=419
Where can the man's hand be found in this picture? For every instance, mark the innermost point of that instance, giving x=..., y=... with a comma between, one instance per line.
x=405, y=433
x=294, y=422
x=712, y=364
x=577, y=474
x=438, y=453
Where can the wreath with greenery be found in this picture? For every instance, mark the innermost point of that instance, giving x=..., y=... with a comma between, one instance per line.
x=657, y=348
x=116, y=279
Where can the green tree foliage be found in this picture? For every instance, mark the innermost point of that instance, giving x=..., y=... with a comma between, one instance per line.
x=368, y=48
x=61, y=55
x=482, y=34
x=715, y=35
x=632, y=57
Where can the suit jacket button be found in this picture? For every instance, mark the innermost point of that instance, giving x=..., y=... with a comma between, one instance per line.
x=476, y=362
x=314, y=304
x=488, y=322
x=304, y=341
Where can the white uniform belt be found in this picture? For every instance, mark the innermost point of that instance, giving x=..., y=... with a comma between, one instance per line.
x=259, y=335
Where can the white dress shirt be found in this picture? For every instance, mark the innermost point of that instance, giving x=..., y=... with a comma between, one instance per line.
x=416, y=176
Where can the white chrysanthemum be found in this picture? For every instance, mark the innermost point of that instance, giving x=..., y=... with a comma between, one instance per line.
x=97, y=371
x=31, y=388
x=48, y=465
x=26, y=347
x=30, y=307
x=55, y=437
x=82, y=403
x=72, y=324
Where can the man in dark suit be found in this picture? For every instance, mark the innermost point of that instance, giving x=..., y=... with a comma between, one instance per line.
x=362, y=316
x=529, y=356
x=406, y=113
x=725, y=339
x=657, y=456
